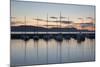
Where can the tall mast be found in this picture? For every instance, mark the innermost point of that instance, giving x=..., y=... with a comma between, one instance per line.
x=60, y=19
x=60, y=22
x=68, y=18
x=25, y=24
x=37, y=25
x=47, y=22
x=25, y=19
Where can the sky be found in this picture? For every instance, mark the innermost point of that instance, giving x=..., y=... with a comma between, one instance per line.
x=33, y=10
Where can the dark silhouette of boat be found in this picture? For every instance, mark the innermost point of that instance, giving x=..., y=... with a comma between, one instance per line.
x=25, y=37
x=90, y=36
x=35, y=37
x=47, y=37
x=68, y=37
x=80, y=37
x=58, y=37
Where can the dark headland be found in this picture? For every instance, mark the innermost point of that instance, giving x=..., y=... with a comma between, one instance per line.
x=58, y=37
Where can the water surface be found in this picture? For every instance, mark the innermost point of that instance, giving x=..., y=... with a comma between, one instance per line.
x=33, y=52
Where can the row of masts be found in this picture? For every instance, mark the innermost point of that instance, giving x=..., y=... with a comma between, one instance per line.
x=58, y=37
x=46, y=37
x=52, y=17
x=57, y=20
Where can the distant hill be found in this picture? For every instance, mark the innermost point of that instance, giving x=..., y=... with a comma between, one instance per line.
x=41, y=29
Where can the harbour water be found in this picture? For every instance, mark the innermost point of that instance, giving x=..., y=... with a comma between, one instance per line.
x=34, y=52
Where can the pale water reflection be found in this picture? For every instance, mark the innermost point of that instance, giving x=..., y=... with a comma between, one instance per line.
x=34, y=52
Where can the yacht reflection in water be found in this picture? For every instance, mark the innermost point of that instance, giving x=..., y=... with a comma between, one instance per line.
x=41, y=51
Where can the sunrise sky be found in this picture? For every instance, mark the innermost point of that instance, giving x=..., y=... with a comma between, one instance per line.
x=34, y=10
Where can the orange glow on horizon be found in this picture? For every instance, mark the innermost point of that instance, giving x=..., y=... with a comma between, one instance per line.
x=21, y=21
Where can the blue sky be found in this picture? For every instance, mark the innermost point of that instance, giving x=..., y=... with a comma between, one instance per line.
x=34, y=9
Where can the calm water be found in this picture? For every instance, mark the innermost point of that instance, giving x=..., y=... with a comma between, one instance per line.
x=45, y=52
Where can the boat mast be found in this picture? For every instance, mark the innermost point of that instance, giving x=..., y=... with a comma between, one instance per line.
x=60, y=22
x=37, y=25
x=47, y=23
